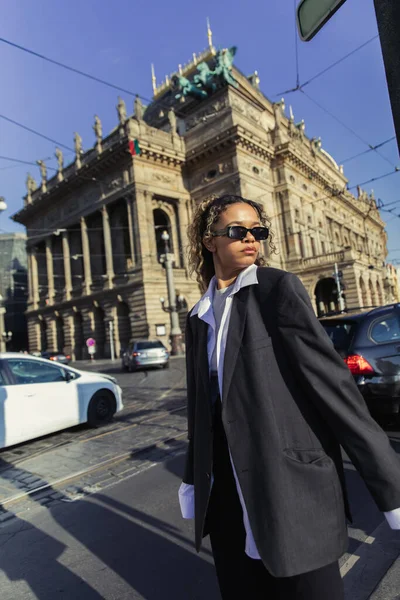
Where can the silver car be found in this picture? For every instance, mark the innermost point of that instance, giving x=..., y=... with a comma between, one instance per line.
x=141, y=354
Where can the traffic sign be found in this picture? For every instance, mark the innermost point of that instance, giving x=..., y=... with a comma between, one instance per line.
x=91, y=349
x=90, y=342
x=313, y=14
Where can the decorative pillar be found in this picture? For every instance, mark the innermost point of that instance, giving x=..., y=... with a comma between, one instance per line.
x=130, y=228
x=67, y=265
x=50, y=270
x=107, y=245
x=86, y=256
x=35, y=278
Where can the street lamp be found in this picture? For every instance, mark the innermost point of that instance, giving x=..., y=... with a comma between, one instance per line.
x=176, y=333
x=3, y=204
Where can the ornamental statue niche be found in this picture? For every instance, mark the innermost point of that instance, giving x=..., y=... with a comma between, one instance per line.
x=207, y=80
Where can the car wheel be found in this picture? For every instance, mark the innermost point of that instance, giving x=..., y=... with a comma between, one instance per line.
x=166, y=365
x=101, y=409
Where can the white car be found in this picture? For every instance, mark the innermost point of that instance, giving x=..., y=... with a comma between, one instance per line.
x=38, y=397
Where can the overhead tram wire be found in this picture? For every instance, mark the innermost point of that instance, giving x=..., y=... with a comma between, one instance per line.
x=328, y=112
x=45, y=137
x=337, y=62
x=26, y=162
x=337, y=193
x=82, y=73
x=376, y=147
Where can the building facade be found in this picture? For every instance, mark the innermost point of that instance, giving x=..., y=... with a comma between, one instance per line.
x=13, y=292
x=94, y=229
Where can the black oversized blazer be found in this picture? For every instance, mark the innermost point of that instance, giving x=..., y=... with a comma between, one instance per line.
x=288, y=402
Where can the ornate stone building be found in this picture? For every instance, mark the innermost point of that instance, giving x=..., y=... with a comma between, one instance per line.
x=94, y=228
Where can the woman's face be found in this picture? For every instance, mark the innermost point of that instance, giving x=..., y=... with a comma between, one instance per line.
x=235, y=255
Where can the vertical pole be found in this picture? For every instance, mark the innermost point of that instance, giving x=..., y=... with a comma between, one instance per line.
x=176, y=333
x=388, y=18
x=111, y=327
x=339, y=289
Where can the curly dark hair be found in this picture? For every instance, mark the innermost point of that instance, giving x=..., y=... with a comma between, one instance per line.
x=207, y=214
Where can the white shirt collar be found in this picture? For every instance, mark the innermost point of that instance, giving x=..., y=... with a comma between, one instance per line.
x=247, y=277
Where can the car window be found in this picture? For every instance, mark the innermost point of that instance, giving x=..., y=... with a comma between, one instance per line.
x=386, y=329
x=149, y=345
x=340, y=332
x=34, y=371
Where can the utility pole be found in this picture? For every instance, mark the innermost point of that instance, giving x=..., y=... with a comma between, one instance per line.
x=176, y=332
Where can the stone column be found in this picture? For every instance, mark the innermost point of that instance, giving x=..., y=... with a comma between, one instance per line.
x=108, y=246
x=35, y=279
x=67, y=265
x=86, y=256
x=182, y=237
x=129, y=210
x=30, y=286
x=50, y=270
x=144, y=227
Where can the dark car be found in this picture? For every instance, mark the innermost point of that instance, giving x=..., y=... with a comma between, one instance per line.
x=145, y=353
x=369, y=343
x=59, y=357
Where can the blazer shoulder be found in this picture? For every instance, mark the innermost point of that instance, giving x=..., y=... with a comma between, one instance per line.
x=275, y=280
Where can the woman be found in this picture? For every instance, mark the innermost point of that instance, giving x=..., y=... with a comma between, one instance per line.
x=269, y=402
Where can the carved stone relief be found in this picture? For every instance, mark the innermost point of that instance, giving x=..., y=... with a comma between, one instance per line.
x=162, y=177
x=253, y=168
x=247, y=110
x=222, y=168
x=215, y=107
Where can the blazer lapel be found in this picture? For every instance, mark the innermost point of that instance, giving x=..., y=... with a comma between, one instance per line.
x=201, y=355
x=234, y=339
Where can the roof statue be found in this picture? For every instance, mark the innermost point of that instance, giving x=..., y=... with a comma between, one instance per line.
x=121, y=109
x=208, y=79
x=98, y=131
x=30, y=185
x=60, y=161
x=43, y=173
x=138, y=108
x=172, y=120
x=78, y=149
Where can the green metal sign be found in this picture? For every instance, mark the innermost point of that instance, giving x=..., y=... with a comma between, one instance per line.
x=313, y=14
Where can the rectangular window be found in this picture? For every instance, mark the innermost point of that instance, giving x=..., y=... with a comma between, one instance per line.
x=323, y=247
x=313, y=248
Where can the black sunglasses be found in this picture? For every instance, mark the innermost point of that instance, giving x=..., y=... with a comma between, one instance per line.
x=238, y=232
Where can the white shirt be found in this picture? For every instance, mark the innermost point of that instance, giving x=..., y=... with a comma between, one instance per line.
x=203, y=309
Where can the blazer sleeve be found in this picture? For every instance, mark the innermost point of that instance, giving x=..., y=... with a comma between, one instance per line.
x=188, y=476
x=330, y=386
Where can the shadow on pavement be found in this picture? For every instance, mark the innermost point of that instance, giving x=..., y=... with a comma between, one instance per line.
x=149, y=554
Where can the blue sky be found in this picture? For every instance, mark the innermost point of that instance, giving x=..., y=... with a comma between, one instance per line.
x=118, y=41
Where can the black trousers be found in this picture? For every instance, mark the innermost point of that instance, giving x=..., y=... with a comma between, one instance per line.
x=241, y=577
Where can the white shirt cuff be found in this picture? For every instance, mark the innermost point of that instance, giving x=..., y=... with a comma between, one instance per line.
x=186, y=500
x=393, y=518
